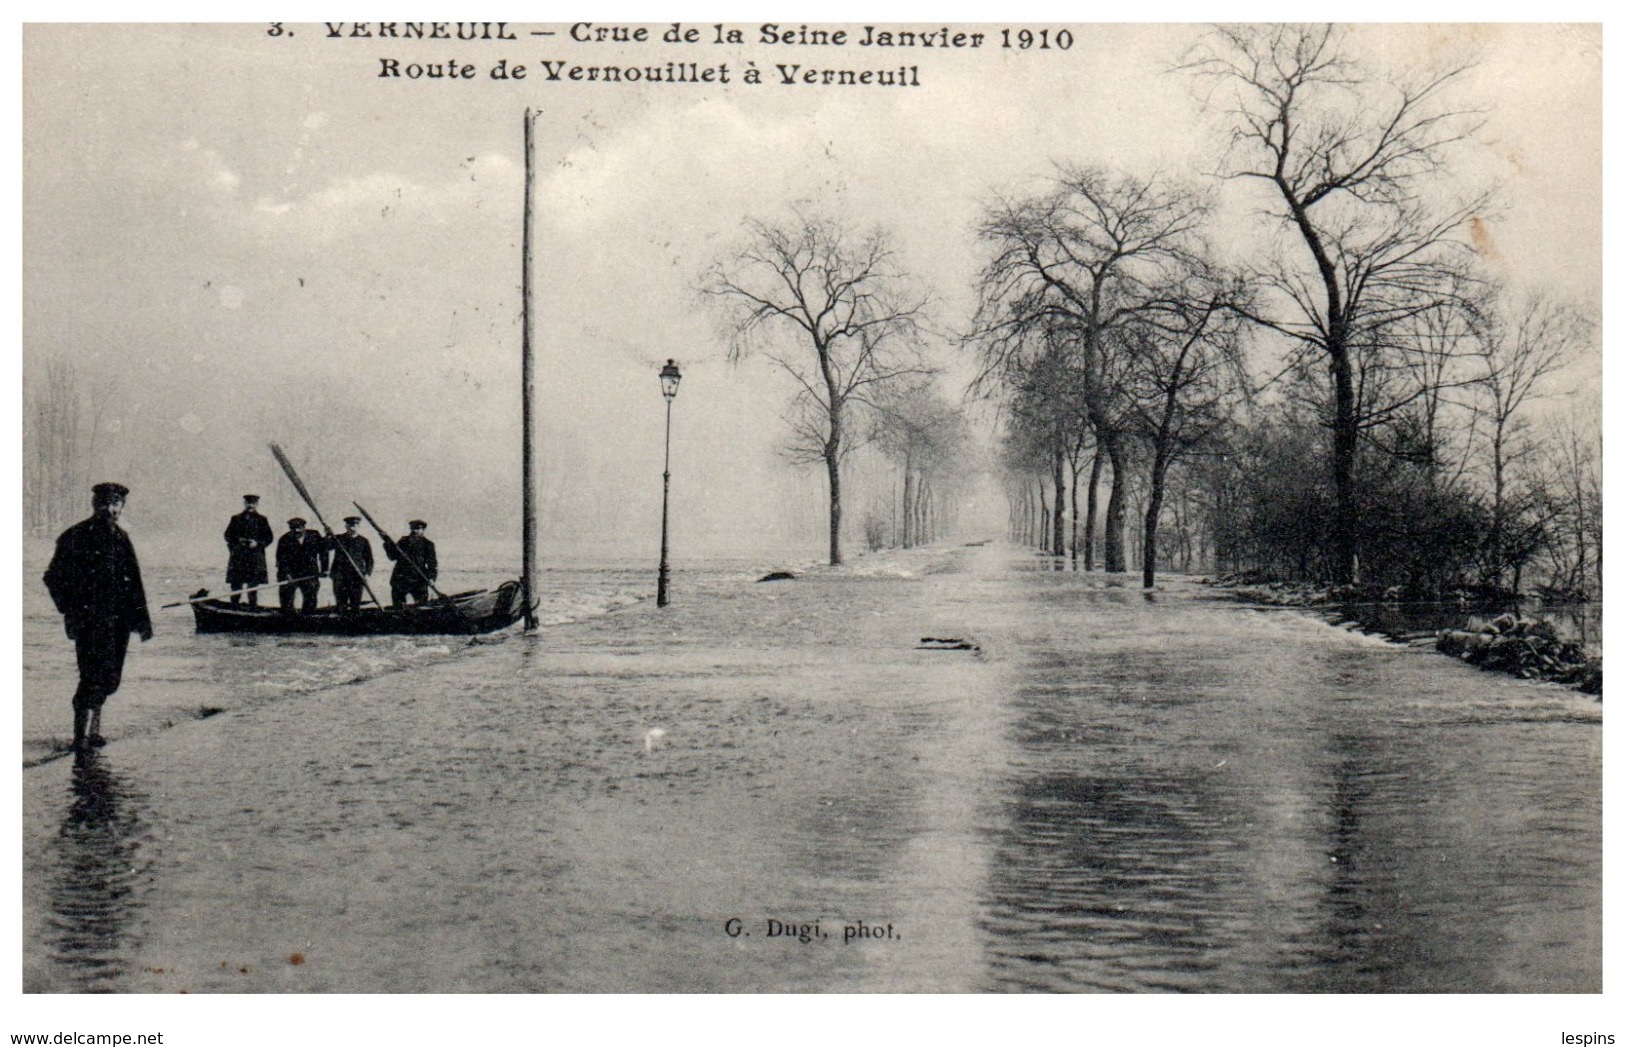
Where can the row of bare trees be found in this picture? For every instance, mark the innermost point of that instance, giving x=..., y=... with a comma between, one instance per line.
x=1104, y=321
x=1393, y=438
x=1329, y=390
x=927, y=438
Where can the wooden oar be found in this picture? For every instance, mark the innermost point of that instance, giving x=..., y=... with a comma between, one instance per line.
x=402, y=552
x=298, y=485
x=253, y=589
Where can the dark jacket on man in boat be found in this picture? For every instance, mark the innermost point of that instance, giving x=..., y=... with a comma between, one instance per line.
x=360, y=555
x=416, y=566
x=351, y=561
x=417, y=549
x=248, y=535
x=300, y=554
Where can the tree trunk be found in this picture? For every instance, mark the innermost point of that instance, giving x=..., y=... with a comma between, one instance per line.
x=1090, y=524
x=1113, y=552
x=1074, y=519
x=1345, y=442
x=1058, y=528
x=908, y=507
x=832, y=460
x=1498, y=520
x=1043, y=515
x=895, y=533
x=1153, y=511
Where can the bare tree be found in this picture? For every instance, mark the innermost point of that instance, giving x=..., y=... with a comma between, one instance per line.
x=1409, y=400
x=1520, y=344
x=854, y=325
x=1185, y=361
x=1083, y=260
x=1080, y=445
x=1348, y=153
x=1574, y=544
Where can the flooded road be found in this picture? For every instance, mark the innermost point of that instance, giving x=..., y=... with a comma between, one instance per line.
x=778, y=787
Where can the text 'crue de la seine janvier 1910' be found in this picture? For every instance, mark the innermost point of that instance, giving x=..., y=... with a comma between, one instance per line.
x=772, y=38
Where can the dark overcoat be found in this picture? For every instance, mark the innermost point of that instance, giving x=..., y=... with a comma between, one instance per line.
x=248, y=535
x=94, y=578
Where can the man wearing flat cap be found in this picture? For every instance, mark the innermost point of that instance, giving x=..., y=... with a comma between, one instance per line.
x=248, y=535
x=415, y=565
x=350, y=564
x=95, y=582
x=301, y=562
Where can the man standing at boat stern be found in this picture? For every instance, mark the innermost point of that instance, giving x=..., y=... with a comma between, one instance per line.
x=416, y=567
x=95, y=582
x=248, y=535
x=351, y=563
x=301, y=563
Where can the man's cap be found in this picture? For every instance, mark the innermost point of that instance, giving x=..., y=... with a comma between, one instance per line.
x=416, y=523
x=109, y=492
x=251, y=497
x=352, y=519
x=296, y=521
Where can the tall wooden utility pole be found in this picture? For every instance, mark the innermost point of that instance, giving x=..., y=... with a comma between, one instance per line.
x=528, y=381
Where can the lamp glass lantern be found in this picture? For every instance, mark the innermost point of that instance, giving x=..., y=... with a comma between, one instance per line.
x=669, y=377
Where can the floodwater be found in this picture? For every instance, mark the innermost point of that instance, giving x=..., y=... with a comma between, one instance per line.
x=180, y=676
x=778, y=787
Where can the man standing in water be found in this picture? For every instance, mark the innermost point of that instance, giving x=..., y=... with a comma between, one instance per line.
x=416, y=566
x=351, y=563
x=95, y=583
x=247, y=537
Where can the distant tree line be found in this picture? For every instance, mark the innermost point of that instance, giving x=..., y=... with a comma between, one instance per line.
x=63, y=411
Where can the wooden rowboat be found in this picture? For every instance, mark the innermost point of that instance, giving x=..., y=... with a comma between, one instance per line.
x=463, y=614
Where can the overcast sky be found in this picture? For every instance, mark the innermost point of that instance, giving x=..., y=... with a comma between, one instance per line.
x=263, y=239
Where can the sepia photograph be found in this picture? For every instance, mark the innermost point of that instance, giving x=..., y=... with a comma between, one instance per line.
x=895, y=510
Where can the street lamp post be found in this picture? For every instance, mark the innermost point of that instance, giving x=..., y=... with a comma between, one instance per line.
x=669, y=377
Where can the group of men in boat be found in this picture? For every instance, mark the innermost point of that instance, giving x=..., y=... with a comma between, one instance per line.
x=95, y=583
x=304, y=558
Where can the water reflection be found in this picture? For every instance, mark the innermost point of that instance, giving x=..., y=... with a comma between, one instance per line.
x=1362, y=944
x=1387, y=919
x=1110, y=884
x=100, y=876
x=1277, y=807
